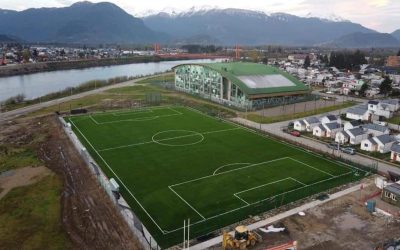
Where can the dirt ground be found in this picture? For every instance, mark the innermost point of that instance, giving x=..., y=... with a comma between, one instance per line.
x=337, y=225
x=88, y=216
x=21, y=177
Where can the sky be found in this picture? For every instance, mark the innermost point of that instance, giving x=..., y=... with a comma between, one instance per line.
x=380, y=15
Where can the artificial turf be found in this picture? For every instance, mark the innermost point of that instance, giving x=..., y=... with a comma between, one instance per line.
x=174, y=163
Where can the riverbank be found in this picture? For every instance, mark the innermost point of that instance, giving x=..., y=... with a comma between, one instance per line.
x=30, y=68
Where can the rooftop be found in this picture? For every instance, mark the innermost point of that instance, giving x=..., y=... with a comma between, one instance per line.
x=376, y=127
x=394, y=188
x=385, y=138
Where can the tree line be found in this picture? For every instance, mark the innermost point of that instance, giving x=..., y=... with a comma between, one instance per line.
x=347, y=60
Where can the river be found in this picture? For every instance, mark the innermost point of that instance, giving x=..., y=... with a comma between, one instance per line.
x=40, y=84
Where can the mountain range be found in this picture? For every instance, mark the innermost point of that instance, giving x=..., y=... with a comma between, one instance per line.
x=96, y=23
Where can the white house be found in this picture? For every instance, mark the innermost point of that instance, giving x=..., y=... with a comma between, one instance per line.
x=342, y=137
x=393, y=104
x=329, y=119
x=319, y=131
x=331, y=129
x=356, y=135
x=299, y=125
x=376, y=129
x=352, y=124
x=359, y=113
x=311, y=122
x=395, y=152
x=369, y=145
x=382, y=143
x=385, y=142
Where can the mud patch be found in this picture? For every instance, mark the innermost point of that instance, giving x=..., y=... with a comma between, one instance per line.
x=21, y=177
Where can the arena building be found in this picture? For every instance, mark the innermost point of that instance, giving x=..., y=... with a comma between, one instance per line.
x=243, y=85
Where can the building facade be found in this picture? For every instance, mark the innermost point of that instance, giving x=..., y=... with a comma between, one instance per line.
x=242, y=85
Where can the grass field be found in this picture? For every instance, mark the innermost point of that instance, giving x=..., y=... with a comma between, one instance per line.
x=174, y=163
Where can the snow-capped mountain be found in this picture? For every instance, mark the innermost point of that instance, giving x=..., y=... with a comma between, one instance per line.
x=231, y=26
x=328, y=17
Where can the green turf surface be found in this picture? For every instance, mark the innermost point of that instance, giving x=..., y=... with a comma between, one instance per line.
x=173, y=163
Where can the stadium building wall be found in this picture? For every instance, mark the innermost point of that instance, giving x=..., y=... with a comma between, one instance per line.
x=209, y=84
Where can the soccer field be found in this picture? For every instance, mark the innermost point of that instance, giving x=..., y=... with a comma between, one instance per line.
x=174, y=163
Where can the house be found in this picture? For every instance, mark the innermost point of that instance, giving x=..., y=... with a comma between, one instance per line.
x=342, y=137
x=384, y=111
x=299, y=125
x=331, y=129
x=385, y=142
x=382, y=143
x=319, y=131
x=329, y=119
x=393, y=104
x=373, y=105
x=395, y=152
x=376, y=129
x=359, y=113
x=369, y=145
x=311, y=122
x=356, y=135
x=352, y=124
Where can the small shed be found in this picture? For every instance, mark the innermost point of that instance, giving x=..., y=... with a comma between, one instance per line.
x=391, y=194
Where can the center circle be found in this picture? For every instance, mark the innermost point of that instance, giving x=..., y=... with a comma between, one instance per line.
x=177, y=138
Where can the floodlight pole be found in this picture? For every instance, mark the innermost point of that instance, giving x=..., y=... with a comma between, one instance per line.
x=184, y=234
x=188, y=239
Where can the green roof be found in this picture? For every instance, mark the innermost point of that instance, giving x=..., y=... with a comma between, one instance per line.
x=235, y=69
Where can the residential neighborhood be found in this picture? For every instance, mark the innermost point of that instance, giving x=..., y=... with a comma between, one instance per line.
x=361, y=127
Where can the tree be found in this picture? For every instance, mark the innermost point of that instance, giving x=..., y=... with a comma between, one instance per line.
x=26, y=55
x=307, y=62
x=386, y=86
x=363, y=89
x=398, y=53
x=265, y=60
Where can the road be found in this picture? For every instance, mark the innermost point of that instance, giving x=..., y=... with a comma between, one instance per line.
x=276, y=129
x=22, y=111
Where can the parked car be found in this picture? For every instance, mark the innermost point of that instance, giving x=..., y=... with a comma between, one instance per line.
x=333, y=145
x=348, y=150
x=295, y=133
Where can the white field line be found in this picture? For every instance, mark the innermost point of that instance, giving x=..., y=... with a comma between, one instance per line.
x=144, y=111
x=93, y=119
x=139, y=119
x=322, y=171
x=293, y=190
x=232, y=170
x=116, y=176
x=298, y=181
x=176, y=111
x=187, y=203
x=233, y=210
x=167, y=139
x=263, y=185
x=132, y=110
x=241, y=199
x=231, y=164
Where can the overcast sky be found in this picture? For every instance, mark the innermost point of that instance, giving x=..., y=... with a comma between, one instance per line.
x=381, y=15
